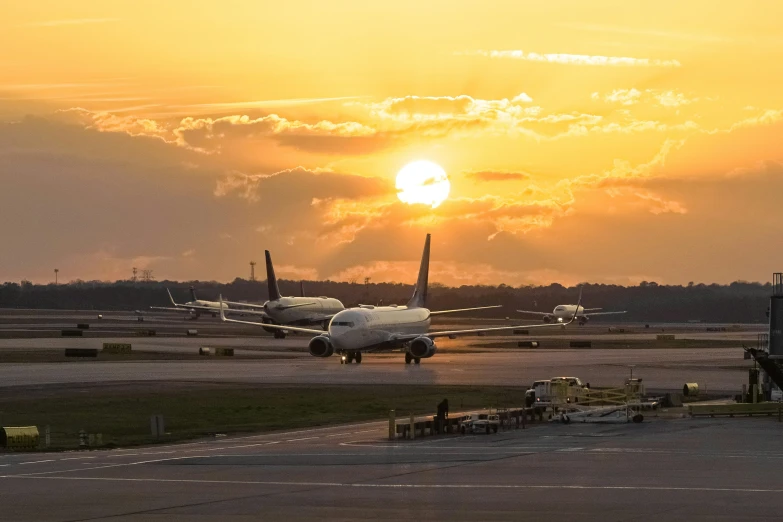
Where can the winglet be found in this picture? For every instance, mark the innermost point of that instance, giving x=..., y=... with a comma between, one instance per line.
x=170, y=297
x=271, y=280
x=301, y=286
x=193, y=294
x=419, y=298
x=222, y=313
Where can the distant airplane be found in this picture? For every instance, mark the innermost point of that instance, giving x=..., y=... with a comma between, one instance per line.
x=567, y=313
x=195, y=307
x=290, y=311
x=370, y=328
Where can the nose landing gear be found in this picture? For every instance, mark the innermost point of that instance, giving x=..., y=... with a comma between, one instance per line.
x=348, y=358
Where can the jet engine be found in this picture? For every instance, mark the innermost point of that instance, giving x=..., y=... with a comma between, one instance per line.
x=582, y=320
x=267, y=320
x=423, y=347
x=547, y=318
x=321, y=346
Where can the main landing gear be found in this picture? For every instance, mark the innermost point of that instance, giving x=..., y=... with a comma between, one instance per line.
x=348, y=358
x=409, y=358
x=279, y=334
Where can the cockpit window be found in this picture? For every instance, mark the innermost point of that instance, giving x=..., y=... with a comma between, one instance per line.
x=349, y=324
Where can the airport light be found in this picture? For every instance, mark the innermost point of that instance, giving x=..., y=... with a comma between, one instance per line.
x=56, y=271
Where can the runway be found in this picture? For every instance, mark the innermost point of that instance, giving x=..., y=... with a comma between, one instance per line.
x=663, y=469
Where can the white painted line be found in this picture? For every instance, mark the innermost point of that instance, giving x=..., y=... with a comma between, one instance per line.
x=79, y=458
x=297, y=440
x=408, y=485
x=37, y=461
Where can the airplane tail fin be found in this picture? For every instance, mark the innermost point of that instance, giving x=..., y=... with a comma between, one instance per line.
x=301, y=287
x=271, y=280
x=419, y=298
x=193, y=293
x=171, y=297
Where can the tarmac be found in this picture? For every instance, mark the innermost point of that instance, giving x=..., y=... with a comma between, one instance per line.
x=716, y=370
x=662, y=469
x=682, y=469
x=468, y=360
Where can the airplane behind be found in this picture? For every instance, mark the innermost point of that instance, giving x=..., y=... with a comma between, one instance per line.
x=195, y=307
x=354, y=331
x=290, y=311
x=566, y=313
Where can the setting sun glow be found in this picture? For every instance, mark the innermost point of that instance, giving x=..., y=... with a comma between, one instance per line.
x=423, y=182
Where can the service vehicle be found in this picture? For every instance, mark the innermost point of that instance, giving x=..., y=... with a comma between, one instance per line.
x=479, y=423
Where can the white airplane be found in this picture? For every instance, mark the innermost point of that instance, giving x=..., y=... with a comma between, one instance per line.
x=290, y=311
x=370, y=328
x=566, y=313
x=195, y=307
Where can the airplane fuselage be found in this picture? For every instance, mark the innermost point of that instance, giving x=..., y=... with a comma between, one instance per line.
x=301, y=310
x=206, y=304
x=564, y=313
x=373, y=329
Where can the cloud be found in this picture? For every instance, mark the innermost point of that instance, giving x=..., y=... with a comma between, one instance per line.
x=73, y=21
x=670, y=98
x=496, y=175
x=254, y=187
x=109, y=122
x=206, y=134
x=652, y=202
x=573, y=59
x=621, y=96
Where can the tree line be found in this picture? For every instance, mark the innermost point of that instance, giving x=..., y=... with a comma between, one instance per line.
x=648, y=302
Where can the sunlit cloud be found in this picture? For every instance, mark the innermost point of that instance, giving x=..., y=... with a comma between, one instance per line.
x=496, y=175
x=668, y=98
x=573, y=59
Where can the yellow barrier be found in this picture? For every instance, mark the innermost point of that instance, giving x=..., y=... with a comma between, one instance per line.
x=665, y=337
x=120, y=348
x=19, y=437
x=224, y=352
x=711, y=410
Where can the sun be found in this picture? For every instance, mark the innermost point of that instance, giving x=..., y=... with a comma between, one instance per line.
x=423, y=182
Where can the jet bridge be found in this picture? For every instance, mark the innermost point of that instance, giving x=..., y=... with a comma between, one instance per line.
x=770, y=366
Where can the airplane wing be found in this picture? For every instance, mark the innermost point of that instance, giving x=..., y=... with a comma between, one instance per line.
x=263, y=325
x=454, y=333
x=188, y=308
x=534, y=313
x=591, y=309
x=440, y=312
x=292, y=306
x=604, y=313
x=236, y=303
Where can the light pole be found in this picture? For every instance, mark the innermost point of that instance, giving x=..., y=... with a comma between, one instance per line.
x=56, y=271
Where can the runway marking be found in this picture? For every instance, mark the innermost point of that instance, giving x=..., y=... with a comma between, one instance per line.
x=518, y=487
x=78, y=458
x=36, y=461
x=297, y=440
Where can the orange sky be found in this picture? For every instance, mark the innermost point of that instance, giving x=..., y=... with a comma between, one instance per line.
x=584, y=141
